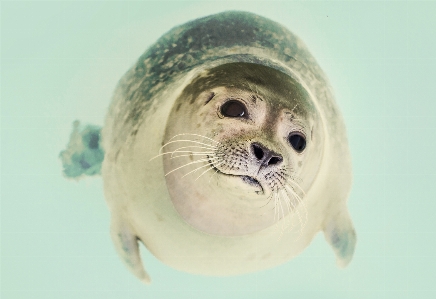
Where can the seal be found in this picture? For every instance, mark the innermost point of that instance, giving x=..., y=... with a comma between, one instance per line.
x=224, y=151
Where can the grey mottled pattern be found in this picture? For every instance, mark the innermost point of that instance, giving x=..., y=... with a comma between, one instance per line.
x=237, y=36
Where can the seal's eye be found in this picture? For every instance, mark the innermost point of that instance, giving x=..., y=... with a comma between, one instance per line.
x=234, y=108
x=297, y=141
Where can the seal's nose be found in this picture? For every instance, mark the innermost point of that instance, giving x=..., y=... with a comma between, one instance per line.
x=264, y=155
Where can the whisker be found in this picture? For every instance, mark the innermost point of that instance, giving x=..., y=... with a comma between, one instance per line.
x=171, y=153
x=216, y=171
x=296, y=184
x=288, y=205
x=195, y=170
x=300, y=201
x=276, y=209
x=283, y=219
x=295, y=178
x=291, y=190
x=193, y=134
x=198, y=161
x=211, y=167
x=215, y=166
x=210, y=146
x=302, y=223
x=195, y=146
x=277, y=200
x=283, y=197
x=279, y=205
x=268, y=199
x=192, y=154
x=274, y=219
x=280, y=209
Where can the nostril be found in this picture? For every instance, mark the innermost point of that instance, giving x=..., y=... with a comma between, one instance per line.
x=274, y=160
x=264, y=155
x=258, y=152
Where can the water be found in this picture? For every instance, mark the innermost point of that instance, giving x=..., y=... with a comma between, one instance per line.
x=61, y=61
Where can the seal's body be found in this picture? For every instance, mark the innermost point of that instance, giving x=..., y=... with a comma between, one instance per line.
x=225, y=152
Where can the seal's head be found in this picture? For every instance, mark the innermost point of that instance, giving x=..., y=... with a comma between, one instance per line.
x=243, y=144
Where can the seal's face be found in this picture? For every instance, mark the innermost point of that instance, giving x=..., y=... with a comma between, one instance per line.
x=243, y=145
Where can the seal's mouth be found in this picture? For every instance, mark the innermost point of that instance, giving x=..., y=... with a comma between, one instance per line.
x=250, y=181
x=245, y=178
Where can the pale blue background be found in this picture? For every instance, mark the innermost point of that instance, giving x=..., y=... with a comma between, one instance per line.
x=60, y=61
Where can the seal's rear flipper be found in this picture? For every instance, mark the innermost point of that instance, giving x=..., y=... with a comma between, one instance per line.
x=339, y=233
x=126, y=244
x=84, y=154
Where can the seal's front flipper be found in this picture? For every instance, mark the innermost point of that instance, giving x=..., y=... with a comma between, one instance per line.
x=339, y=233
x=84, y=154
x=126, y=244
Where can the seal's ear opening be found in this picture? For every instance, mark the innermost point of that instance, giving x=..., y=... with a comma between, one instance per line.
x=83, y=155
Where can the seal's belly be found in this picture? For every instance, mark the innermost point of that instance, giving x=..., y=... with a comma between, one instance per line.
x=183, y=247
